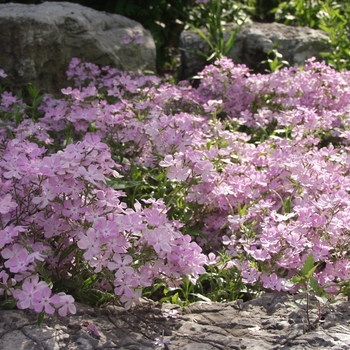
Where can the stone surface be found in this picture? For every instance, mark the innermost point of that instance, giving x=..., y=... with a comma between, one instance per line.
x=37, y=42
x=274, y=321
x=252, y=44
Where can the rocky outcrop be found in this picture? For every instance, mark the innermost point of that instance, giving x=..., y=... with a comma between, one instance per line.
x=274, y=321
x=37, y=42
x=252, y=44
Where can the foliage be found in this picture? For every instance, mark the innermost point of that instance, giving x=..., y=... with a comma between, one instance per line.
x=334, y=20
x=219, y=45
x=275, y=60
x=332, y=16
x=298, y=12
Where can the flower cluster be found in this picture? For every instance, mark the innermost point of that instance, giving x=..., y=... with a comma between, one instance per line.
x=128, y=180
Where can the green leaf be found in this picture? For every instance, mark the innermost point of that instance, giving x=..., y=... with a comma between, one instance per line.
x=121, y=185
x=89, y=282
x=297, y=279
x=308, y=265
x=175, y=298
x=203, y=36
x=41, y=317
x=230, y=42
x=9, y=304
x=67, y=251
x=314, y=285
x=287, y=204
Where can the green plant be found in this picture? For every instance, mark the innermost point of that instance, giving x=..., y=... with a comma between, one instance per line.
x=298, y=12
x=214, y=26
x=309, y=285
x=275, y=60
x=334, y=20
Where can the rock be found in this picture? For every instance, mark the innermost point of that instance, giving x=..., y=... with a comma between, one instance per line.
x=252, y=44
x=37, y=42
x=273, y=321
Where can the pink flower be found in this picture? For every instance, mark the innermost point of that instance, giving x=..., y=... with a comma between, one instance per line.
x=92, y=174
x=90, y=242
x=128, y=300
x=66, y=305
x=212, y=259
x=161, y=341
x=20, y=261
x=92, y=329
x=6, y=204
x=2, y=74
x=274, y=282
x=43, y=300
x=121, y=264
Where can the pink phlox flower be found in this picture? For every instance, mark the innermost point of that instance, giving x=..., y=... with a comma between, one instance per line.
x=296, y=240
x=47, y=196
x=159, y=239
x=25, y=296
x=133, y=221
x=274, y=282
x=327, y=202
x=11, y=251
x=155, y=217
x=66, y=305
x=168, y=161
x=212, y=105
x=126, y=285
x=99, y=261
x=279, y=218
x=178, y=172
x=92, y=174
x=19, y=262
x=126, y=39
x=320, y=250
x=117, y=243
x=73, y=209
x=161, y=341
x=206, y=170
x=317, y=220
x=32, y=149
x=51, y=165
x=43, y=300
x=146, y=275
x=212, y=259
x=129, y=300
x=251, y=275
x=106, y=228
x=93, y=215
x=121, y=264
x=9, y=233
x=2, y=74
x=13, y=170
x=30, y=286
x=91, y=242
x=135, y=37
x=257, y=253
x=92, y=329
x=167, y=313
x=6, y=204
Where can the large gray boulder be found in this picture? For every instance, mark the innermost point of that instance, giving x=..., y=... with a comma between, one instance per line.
x=252, y=44
x=37, y=42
